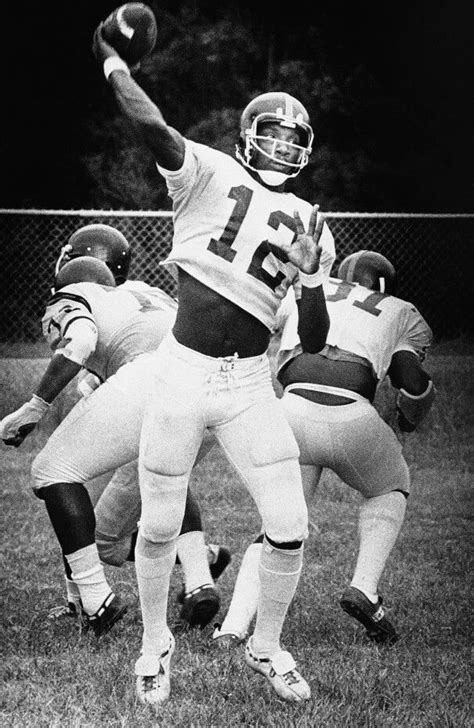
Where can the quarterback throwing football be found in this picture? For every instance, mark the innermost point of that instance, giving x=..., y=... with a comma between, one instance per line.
x=240, y=241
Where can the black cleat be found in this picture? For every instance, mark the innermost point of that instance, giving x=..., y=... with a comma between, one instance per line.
x=200, y=606
x=221, y=561
x=111, y=610
x=372, y=616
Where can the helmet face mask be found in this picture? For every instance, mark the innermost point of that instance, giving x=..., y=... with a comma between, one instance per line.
x=277, y=108
x=102, y=242
x=369, y=269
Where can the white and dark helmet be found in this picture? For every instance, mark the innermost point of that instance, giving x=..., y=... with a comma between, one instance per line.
x=370, y=269
x=285, y=110
x=84, y=269
x=99, y=241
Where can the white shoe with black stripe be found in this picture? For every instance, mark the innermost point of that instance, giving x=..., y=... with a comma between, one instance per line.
x=153, y=676
x=280, y=671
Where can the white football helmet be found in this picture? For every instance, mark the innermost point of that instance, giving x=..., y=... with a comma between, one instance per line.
x=285, y=110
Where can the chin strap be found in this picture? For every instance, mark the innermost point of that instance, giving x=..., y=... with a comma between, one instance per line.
x=274, y=179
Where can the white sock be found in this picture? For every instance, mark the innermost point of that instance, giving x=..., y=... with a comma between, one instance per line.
x=88, y=575
x=153, y=565
x=193, y=555
x=72, y=593
x=279, y=573
x=380, y=521
x=244, y=602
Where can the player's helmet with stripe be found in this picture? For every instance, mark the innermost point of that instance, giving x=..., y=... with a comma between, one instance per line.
x=370, y=269
x=99, y=241
x=84, y=269
x=279, y=107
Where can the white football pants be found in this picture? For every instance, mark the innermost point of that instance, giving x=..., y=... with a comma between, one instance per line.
x=234, y=399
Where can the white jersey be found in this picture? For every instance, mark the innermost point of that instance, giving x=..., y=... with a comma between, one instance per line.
x=369, y=324
x=227, y=228
x=128, y=321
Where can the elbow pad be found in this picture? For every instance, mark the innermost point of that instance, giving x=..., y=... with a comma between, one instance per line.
x=80, y=341
x=414, y=408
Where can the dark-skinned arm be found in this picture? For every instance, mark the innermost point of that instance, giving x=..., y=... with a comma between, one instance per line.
x=313, y=319
x=165, y=143
x=416, y=390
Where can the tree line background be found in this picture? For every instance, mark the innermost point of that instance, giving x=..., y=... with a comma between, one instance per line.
x=387, y=86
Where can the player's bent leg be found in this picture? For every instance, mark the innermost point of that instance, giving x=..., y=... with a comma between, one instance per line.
x=71, y=514
x=380, y=522
x=201, y=600
x=100, y=433
x=369, y=459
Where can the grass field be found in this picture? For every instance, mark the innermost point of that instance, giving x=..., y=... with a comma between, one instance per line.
x=54, y=675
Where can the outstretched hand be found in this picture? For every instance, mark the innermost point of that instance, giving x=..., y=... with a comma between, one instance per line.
x=100, y=48
x=305, y=251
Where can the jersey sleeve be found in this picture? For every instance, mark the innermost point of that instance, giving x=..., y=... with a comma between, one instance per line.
x=69, y=326
x=416, y=336
x=198, y=164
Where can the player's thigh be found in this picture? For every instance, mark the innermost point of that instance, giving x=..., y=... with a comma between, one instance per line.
x=100, y=434
x=308, y=422
x=260, y=445
x=368, y=456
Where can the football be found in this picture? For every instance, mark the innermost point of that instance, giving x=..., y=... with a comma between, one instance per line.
x=131, y=31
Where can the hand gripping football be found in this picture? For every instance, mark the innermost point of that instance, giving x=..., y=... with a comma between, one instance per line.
x=131, y=31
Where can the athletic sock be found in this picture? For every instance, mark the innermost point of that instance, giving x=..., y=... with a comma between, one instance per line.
x=72, y=593
x=193, y=556
x=153, y=564
x=279, y=573
x=244, y=602
x=380, y=521
x=88, y=575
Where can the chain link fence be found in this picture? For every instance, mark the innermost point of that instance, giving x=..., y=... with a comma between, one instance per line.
x=433, y=255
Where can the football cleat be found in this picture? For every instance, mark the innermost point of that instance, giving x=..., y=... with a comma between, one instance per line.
x=280, y=671
x=221, y=559
x=200, y=606
x=372, y=616
x=111, y=610
x=154, y=689
x=226, y=639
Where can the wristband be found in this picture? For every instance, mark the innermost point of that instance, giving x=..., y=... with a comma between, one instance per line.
x=114, y=63
x=39, y=404
x=311, y=280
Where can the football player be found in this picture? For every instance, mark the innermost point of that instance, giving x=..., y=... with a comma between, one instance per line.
x=91, y=323
x=240, y=241
x=328, y=399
